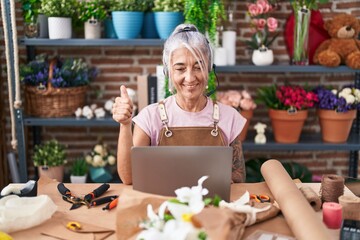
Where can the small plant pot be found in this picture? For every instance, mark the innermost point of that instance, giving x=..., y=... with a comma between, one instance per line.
x=262, y=57
x=92, y=29
x=166, y=22
x=78, y=179
x=59, y=28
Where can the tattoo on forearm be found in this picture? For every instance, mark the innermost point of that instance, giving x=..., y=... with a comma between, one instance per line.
x=238, y=166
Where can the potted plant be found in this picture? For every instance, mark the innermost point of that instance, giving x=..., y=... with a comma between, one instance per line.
x=128, y=16
x=92, y=13
x=149, y=28
x=108, y=22
x=50, y=158
x=262, y=25
x=79, y=170
x=288, y=106
x=336, y=111
x=60, y=13
x=242, y=101
x=98, y=159
x=30, y=11
x=168, y=14
x=56, y=88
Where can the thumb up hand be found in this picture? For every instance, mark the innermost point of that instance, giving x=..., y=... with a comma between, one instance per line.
x=123, y=107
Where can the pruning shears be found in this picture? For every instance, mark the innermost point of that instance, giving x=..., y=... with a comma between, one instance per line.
x=261, y=198
x=89, y=199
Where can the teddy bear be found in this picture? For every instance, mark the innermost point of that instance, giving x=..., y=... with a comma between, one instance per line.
x=343, y=47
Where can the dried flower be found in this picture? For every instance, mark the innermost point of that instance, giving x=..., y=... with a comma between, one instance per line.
x=286, y=97
x=240, y=100
x=261, y=23
x=100, y=156
x=343, y=100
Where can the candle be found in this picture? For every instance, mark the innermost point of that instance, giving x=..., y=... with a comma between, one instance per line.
x=332, y=215
x=220, y=57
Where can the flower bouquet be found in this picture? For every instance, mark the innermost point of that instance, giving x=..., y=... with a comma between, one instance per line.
x=189, y=216
x=56, y=88
x=336, y=111
x=288, y=106
x=242, y=101
x=98, y=159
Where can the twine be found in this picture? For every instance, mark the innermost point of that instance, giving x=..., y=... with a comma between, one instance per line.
x=332, y=187
x=351, y=207
x=312, y=197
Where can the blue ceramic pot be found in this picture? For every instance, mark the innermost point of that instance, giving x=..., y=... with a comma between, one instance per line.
x=149, y=28
x=109, y=28
x=127, y=25
x=166, y=22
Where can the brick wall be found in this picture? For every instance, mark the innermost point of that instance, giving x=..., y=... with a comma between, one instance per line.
x=120, y=65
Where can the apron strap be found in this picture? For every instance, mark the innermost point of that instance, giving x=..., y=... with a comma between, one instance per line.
x=165, y=120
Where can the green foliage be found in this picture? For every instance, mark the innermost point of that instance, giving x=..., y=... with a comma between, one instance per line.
x=30, y=10
x=267, y=95
x=295, y=170
x=59, y=8
x=108, y=5
x=309, y=4
x=91, y=9
x=130, y=5
x=50, y=153
x=79, y=167
x=169, y=5
x=206, y=15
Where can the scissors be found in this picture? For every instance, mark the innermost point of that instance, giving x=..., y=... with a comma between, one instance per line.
x=260, y=198
x=88, y=199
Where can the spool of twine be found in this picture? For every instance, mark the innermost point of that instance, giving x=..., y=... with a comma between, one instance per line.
x=351, y=207
x=312, y=197
x=332, y=187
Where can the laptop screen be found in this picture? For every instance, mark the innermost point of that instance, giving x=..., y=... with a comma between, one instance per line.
x=163, y=169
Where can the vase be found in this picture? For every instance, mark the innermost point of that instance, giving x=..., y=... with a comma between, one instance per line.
x=31, y=29
x=59, y=27
x=92, y=29
x=301, y=36
x=56, y=172
x=335, y=126
x=262, y=57
x=127, y=25
x=287, y=124
x=248, y=114
x=100, y=174
x=78, y=179
x=166, y=22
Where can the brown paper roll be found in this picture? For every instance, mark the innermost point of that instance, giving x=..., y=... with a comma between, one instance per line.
x=300, y=217
x=312, y=197
x=351, y=207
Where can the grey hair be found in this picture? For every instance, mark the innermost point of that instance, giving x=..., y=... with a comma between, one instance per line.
x=188, y=36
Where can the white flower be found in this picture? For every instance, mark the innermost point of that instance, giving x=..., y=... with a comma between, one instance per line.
x=193, y=196
x=97, y=161
x=78, y=112
x=111, y=160
x=357, y=94
x=99, y=113
x=346, y=91
x=88, y=159
x=334, y=91
x=108, y=105
x=99, y=149
x=350, y=99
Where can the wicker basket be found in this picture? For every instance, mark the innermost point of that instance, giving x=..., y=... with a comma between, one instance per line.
x=53, y=102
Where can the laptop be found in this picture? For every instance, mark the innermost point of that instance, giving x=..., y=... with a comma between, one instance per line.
x=163, y=169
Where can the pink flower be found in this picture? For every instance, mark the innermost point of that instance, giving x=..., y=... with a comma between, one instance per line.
x=236, y=99
x=247, y=104
x=261, y=24
x=272, y=24
x=266, y=7
x=254, y=10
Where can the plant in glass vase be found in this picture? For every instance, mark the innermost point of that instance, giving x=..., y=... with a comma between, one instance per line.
x=30, y=10
x=262, y=25
x=302, y=13
x=336, y=110
x=288, y=106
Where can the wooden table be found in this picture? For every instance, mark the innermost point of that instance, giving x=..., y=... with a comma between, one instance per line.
x=107, y=219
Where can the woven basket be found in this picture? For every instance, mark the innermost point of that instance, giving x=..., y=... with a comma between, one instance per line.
x=53, y=102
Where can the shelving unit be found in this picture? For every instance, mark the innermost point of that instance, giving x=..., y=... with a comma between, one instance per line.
x=307, y=142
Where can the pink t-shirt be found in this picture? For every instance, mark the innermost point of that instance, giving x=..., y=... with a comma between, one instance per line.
x=148, y=119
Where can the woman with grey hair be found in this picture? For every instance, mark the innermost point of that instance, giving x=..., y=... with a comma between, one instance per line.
x=189, y=116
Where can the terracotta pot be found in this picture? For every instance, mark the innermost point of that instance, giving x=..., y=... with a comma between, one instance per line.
x=248, y=114
x=287, y=126
x=52, y=172
x=335, y=126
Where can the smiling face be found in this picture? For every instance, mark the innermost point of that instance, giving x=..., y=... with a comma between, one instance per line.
x=188, y=74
